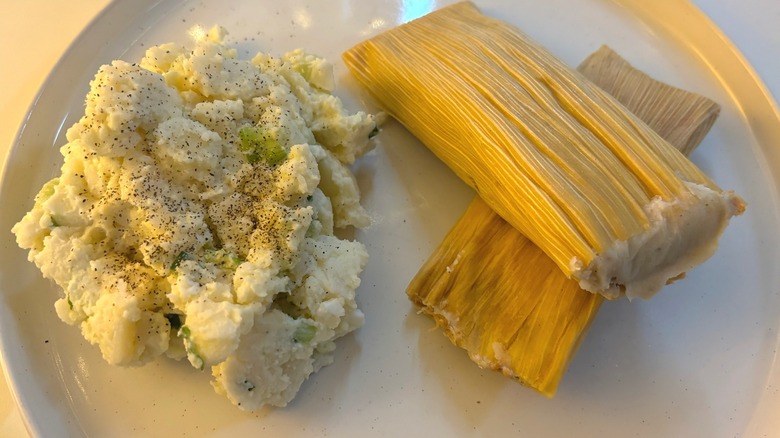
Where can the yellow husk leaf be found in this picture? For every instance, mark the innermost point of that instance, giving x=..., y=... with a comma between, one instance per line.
x=497, y=295
x=608, y=200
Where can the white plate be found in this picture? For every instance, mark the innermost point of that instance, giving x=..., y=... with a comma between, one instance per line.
x=697, y=360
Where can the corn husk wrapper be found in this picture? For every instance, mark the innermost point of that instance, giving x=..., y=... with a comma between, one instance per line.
x=613, y=204
x=497, y=295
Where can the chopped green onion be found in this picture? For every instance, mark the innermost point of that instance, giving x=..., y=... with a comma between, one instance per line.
x=179, y=258
x=192, y=350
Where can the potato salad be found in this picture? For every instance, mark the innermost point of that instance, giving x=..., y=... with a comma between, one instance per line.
x=195, y=212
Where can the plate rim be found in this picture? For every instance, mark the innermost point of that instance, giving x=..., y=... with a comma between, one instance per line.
x=644, y=10
x=84, y=43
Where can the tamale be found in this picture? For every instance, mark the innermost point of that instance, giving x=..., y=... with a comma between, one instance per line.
x=497, y=295
x=614, y=205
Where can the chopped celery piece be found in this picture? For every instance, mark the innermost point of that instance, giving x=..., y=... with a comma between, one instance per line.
x=315, y=71
x=304, y=332
x=304, y=69
x=224, y=258
x=47, y=190
x=261, y=144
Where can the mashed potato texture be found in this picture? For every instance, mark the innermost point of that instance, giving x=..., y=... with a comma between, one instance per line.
x=195, y=211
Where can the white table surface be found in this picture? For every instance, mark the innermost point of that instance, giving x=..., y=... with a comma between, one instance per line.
x=37, y=32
